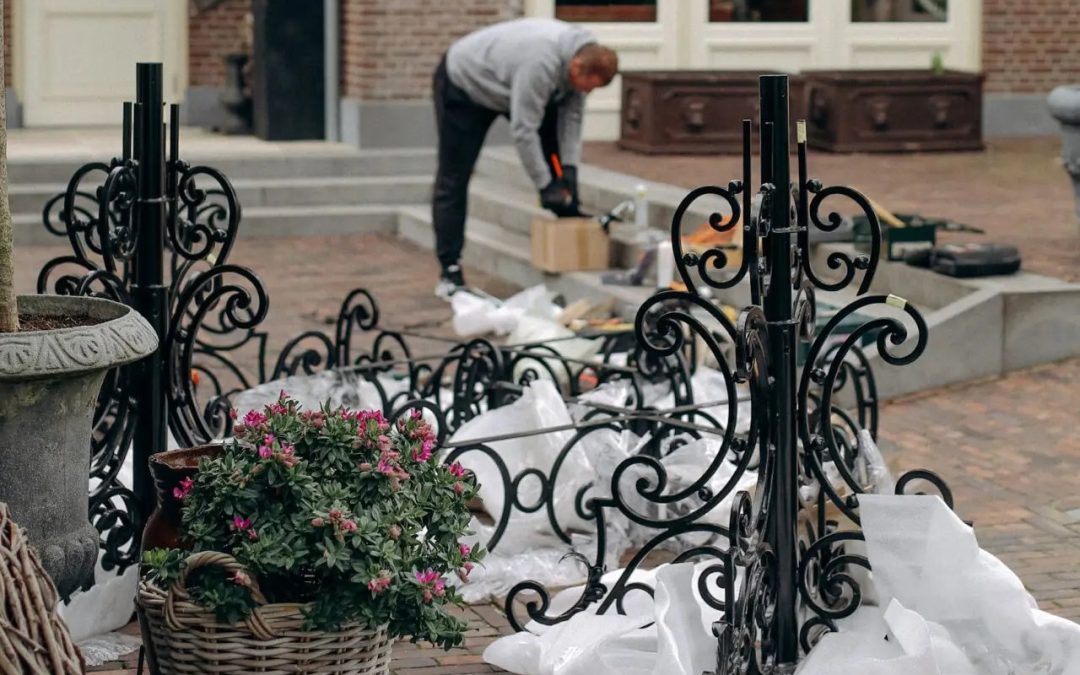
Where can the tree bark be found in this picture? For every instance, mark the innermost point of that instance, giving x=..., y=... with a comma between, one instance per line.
x=9, y=312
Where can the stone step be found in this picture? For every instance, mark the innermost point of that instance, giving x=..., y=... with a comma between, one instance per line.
x=489, y=248
x=264, y=221
x=252, y=193
x=506, y=205
x=271, y=165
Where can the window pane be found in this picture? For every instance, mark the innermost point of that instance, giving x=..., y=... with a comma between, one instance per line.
x=599, y=10
x=758, y=10
x=899, y=10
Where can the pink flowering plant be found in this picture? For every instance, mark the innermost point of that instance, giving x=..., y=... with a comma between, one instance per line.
x=338, y=508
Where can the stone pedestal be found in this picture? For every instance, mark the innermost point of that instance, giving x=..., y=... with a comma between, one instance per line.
x=1064, y=105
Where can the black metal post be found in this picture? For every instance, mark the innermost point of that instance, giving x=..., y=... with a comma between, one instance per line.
x=148, y=292
x=783, y=512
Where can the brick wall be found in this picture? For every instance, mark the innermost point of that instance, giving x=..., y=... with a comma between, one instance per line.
x=7, y=42
x=213, y=33
x=1030, y=46
x=390, y=48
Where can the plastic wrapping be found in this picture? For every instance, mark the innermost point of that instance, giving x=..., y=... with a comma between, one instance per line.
x=339, y=386
x=669, y=636
x=479, y=315
x=951, y=608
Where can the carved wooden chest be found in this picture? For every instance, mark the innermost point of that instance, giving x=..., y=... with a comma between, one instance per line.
x=693, y=111
x=894, y=110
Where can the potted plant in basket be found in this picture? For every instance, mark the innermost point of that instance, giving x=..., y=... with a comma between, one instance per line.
x=316, y=538
x=54, y=353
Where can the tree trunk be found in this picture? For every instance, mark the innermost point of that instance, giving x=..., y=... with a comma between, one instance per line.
x=9, y=313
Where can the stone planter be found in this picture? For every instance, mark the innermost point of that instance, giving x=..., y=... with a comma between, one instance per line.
x=893, y=110
x=49, y=382
x=1064, y=105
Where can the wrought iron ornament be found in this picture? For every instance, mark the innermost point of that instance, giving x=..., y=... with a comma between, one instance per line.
x=785, y=568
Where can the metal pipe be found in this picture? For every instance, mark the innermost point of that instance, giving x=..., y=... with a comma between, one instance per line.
x=783, y=512
x=148, y=292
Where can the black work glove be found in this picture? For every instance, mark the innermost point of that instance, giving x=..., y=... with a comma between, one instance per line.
x=557, y=198
x=570, y=176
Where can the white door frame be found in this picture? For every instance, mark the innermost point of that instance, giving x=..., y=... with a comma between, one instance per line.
x=682, y=37
x=26, y=21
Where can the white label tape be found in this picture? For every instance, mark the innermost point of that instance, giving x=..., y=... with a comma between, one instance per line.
x=800, y=131
x=896, y=301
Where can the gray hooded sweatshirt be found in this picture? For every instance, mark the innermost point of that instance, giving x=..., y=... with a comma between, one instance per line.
x=518, y=68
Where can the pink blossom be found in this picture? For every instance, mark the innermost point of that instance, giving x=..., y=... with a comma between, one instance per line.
x=240, y=579
x=416, y=413
x=364, y=466
x=468, y=567
x=233, y=413
x=287, y=450
x=428, y=577
x=278, y=409
x=440, y=588
x=384, y=443
x=427, y=596
x=240, y=523
x=465, y=550
x=185, y=487
x=348, y=526
x=456, y=470
x=252, y=534
x=425, y=452
x=395, y=532
x=254, y=418
x=335, y=514
x=265, y=452
x=239, y=428
x=459, y=488
x=317, y=522
x=380, y=583
x=268, y=439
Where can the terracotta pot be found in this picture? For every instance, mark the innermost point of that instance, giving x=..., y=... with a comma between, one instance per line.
x=168, y=469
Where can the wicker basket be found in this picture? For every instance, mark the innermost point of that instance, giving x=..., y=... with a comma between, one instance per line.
x=182, y=637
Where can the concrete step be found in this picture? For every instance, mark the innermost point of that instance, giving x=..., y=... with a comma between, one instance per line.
x=276, y=165
x=510, y=206
x=345, y=190
x=489, y=248
x=264, y=221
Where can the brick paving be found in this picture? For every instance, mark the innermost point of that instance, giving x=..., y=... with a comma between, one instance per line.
x=1016, y=190
x=1008, y=447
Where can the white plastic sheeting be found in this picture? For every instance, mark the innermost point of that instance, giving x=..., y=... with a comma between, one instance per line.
x=480, y=315
x=671, y=636
x=947, y=608
x=951, y=608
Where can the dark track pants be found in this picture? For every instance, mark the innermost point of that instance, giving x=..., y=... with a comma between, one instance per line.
x=462, y=126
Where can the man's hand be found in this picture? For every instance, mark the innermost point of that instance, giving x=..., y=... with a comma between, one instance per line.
x=558, y=198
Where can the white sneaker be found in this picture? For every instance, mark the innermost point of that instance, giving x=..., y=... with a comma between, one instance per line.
x=451, y=281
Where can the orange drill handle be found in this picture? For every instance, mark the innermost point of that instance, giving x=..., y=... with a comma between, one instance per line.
x=557, y=165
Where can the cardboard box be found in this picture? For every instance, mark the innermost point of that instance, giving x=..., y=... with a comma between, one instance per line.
x=569, y=245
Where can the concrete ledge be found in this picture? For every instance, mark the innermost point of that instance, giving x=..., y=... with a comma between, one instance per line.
x=13, y=109
x=202, y=107
x=1017, y=115
x=398, y=124
x=964, y=343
